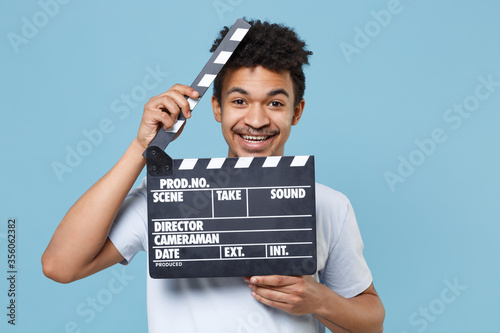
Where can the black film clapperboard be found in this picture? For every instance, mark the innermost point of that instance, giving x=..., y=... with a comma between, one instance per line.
x=233, y=217
x=226, y=217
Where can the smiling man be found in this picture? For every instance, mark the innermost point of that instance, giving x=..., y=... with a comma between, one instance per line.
x=258, y=97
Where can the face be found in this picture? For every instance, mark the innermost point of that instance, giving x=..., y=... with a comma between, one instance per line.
x=256, y=111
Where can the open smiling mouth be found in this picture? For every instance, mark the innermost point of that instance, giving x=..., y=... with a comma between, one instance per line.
x=255, y=138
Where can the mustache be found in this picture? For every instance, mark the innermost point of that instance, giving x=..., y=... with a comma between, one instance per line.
x=253, y=131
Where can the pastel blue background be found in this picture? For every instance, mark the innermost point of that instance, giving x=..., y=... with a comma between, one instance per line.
x=362, y=113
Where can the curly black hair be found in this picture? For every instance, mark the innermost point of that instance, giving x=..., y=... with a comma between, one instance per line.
x=273, y=46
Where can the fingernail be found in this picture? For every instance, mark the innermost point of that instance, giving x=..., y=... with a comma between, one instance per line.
x=253, y=280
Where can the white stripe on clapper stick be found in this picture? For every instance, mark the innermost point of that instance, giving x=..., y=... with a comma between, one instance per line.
x=206, y=80
x=299, y=161
x=192, y=102
x=239, y=34
x=223, y=57
x=243, y=162
x=175, y=128
x=216, y=163
x=188, y=164
x=271, y=162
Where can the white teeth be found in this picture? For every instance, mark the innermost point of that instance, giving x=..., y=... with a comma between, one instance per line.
x=254, y=138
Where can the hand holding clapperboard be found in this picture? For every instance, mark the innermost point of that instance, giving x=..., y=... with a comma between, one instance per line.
x=228, y=216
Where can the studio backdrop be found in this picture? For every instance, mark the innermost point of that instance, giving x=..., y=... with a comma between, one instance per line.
x=402, y=114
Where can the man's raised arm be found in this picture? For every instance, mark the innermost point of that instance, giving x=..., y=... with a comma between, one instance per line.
x=80, y=245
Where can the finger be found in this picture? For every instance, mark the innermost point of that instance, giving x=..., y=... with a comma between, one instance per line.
x=183, y=105
x=274, y=280
x=163, y=106
x=179, y=93
x=173, y=103
x=270, y=295
x=273, y=303
x=183, y=90
x=153, y=118
x=167, y=102
x=294, y=289
x=187, y=92
x=279, y=297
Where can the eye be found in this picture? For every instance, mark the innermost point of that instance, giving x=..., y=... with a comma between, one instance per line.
x=276, y=104
x=238, y=101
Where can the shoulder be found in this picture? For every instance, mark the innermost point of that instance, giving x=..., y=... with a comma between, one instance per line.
x=323, y=191
x=332, y=209
x=330, y=200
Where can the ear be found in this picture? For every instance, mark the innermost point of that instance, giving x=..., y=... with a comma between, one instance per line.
x=297, y=111
x=216, y=109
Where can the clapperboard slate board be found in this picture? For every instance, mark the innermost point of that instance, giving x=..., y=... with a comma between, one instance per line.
x=232, y=217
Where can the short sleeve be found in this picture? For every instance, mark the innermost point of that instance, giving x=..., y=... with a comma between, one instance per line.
x=346, y=271
x=129, y=230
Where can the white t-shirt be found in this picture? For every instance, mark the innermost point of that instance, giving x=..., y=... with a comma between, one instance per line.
x=225, y=304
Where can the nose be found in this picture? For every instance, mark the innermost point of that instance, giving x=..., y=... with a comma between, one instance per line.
x=257, y=116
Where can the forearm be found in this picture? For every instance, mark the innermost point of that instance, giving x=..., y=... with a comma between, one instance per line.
x=83, y=231
x=363, y=313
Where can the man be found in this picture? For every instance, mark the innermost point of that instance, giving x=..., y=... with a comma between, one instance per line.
x=257, y=98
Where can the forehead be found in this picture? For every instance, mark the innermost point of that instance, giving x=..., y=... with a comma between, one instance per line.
x=257, y=81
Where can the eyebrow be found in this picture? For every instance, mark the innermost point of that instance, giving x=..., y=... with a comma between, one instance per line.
x=271, y=93
x=278, y=92
x=238, y=90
